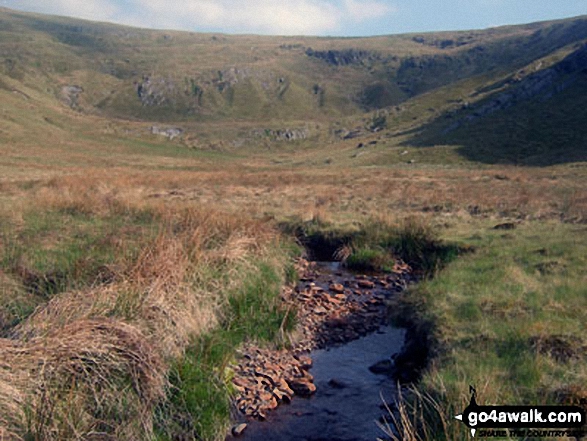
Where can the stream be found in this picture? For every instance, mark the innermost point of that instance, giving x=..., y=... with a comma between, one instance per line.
x=349, y=397
x=348, y=400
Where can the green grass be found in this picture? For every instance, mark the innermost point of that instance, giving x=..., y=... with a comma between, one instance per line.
x=374, y=245
x=199, y=399
x=414, y=240
x=369, y=259
x=508, y=318
x=58, y=250
x=254, y=311
x=200, y=394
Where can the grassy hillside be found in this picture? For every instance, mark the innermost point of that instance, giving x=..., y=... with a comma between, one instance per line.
x=531, y=117
x=61, y=77
x=179, y=76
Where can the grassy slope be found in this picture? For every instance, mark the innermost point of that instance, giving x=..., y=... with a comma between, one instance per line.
x=508, y=319
x=169, y=277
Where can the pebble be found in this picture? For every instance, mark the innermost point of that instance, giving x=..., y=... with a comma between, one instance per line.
x=337, y=288
x=305, y=361
x=320, y=310
x=366, y=284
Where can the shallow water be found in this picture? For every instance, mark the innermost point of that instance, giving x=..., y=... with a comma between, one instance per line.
x=341, y=410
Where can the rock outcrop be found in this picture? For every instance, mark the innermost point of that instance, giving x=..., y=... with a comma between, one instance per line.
x=540, y=85
x=283, y=134
x=154, y=91
x=71, y=95
x=169, y=132
x=345, y=57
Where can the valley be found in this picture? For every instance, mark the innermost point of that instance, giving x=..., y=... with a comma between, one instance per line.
x=159, y=188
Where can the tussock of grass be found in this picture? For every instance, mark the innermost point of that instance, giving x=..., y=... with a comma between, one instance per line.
x=92, y=375
x=321, y=239
x=414, y=240
x=369, y=259
x=417, y=416
x=375, y=244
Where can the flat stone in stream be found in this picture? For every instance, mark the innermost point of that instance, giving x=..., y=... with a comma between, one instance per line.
x=239, y=429
x=282, y=396
x=302, y=387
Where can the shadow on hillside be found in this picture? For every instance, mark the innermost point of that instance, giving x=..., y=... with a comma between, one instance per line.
x=539, y=120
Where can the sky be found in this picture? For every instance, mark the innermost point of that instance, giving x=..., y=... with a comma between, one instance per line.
x=309, y=17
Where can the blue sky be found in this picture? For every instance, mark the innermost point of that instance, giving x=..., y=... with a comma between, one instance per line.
x=309, y=17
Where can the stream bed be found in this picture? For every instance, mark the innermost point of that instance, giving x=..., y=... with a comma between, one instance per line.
x=332, y=384
x=347, y=403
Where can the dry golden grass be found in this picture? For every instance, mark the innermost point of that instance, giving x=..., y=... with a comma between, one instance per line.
x=167, y=289
x=420, y=414
x=87, y=377
x=405, y=420
x=339, y=193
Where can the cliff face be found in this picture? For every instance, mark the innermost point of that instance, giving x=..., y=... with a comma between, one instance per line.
x=417, y=75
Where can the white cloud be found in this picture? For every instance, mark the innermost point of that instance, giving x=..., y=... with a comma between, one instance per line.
x=285, y=17
x=267, y=16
